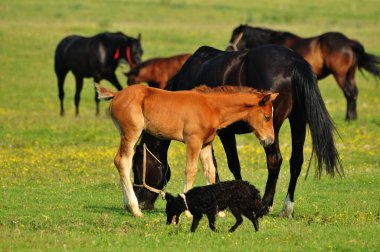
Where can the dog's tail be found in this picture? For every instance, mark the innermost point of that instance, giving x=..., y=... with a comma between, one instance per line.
x=104, y=93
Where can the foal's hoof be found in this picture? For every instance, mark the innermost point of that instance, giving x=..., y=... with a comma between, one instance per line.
x=138, y=215
x=221, y=214
x=188, y=214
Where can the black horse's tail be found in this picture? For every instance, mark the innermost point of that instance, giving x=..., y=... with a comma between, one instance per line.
x=369, y=62
x=306, y=94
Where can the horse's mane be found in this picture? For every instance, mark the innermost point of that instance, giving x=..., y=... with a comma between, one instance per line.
x=229, y=89
x=262, y=35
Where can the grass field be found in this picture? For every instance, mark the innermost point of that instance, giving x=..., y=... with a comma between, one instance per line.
x=59, y=189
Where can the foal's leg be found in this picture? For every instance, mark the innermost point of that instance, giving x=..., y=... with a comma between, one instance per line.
x=78, y=90
x=298, y=132
x=211, y=221
x=193, y=149
x=208, y=164
x=123, y=162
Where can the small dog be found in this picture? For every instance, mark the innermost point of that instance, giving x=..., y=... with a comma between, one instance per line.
x=239, y=196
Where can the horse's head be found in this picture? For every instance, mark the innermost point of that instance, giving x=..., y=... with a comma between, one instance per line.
x=136, y=52
x=156, y=176
x=138, y=74
x=237, y=42
x=260, y=118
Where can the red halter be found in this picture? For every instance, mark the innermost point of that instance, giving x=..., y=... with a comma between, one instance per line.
x=129, y=58
x=127, y=53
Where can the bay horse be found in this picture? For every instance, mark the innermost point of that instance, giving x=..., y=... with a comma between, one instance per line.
x=272, y=68
x=94, y=57
x=157, y=71
x=191, y=117
x=328, y=53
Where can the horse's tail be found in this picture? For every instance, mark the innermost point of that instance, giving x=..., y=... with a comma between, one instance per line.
x=369, y=62
x=307, y=96
x=104, y=93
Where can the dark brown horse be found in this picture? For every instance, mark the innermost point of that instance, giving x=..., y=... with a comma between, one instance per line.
x=157, y=71
x=328, y=53
x=94, y=57
x=272, y=68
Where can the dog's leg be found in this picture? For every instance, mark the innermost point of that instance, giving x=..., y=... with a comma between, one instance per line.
x=196, y=219
x=211, y=221
x=253, y=219
x=239, y=220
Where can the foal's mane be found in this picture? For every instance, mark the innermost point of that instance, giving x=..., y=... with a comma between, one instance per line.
x=229, y=89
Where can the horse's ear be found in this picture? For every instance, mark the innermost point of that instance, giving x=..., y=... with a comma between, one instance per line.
x=268, y=97
x=139, y=37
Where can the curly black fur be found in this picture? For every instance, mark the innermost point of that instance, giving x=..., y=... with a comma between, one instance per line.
x=239, y=196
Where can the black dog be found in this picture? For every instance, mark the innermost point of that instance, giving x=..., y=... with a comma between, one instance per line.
x=239, y=196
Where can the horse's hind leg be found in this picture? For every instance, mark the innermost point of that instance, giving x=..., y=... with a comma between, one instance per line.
x=123, y=162
x=298, y=132
x=347, y=82
x=61, y=75
x=78, y=90
x=209, y=170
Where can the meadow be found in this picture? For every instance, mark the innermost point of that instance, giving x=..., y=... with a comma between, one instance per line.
x=59, y=189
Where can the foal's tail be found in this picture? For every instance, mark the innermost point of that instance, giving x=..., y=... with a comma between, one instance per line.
x=307, y=97
x=104, y=93
x=369, y=62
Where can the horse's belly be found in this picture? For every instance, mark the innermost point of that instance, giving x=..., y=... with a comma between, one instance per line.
x=164, y=132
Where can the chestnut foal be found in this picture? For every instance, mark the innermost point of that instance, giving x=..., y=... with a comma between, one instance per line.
x=192, y=117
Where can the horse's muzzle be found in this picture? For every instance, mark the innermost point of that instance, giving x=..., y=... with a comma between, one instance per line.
x=267, y=142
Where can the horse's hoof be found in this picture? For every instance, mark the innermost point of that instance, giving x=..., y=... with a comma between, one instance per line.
x=285, y=214
x=270, y=209
x=221, y=214
x=188, y=214
x=138, y=214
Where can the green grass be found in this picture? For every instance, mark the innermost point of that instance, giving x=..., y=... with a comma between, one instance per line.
x=59, y=189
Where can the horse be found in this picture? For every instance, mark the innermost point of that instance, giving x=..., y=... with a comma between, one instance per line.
x=157, y=71
x=328, y=53
x=272, y=68
x=94, y=57
x=192, y=117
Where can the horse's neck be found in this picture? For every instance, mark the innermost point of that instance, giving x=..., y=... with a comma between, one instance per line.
x=231, y=109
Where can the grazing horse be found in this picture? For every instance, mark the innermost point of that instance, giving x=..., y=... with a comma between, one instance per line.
x=96, y=57
x=273, y=68
x=157, y=71
x=329, y=53
x=192, y=117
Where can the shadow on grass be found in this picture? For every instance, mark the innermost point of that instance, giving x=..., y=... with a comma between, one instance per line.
x=121, y=211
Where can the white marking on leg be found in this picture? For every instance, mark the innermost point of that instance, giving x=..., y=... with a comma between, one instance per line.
x=287, y=209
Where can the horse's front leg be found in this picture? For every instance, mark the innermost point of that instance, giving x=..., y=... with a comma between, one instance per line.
x=209, y=169
x=123, y=162
x=229, y=144
x=298, y=129
x=193, y=149
x=274, y=161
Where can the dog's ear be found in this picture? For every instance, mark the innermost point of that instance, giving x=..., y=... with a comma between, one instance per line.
x=169, y=197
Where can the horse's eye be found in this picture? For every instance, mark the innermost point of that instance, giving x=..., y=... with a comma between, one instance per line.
x=266, y=117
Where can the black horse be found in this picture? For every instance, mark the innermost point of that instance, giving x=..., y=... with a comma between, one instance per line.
x=96, y=57
x=328, y=53
x=273, y=68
